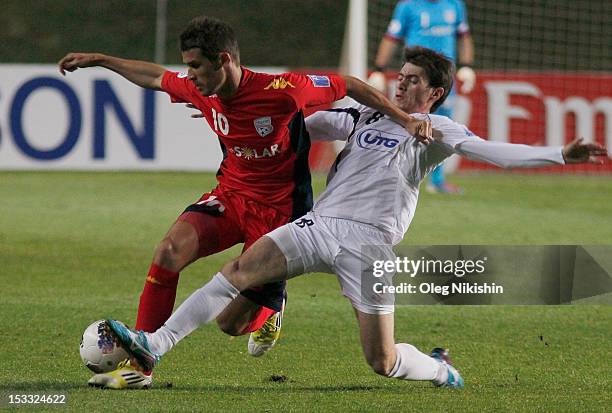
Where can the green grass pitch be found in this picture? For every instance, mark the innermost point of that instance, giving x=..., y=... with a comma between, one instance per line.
x=75, y=247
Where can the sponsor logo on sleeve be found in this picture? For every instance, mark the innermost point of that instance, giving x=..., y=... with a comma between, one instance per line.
x=468, y=132
x=181, y=75
x=319, y=81
x=263, y=126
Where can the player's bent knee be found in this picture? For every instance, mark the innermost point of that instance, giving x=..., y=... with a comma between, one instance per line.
x=235, y=275
x=166, y=252
x=231, y=269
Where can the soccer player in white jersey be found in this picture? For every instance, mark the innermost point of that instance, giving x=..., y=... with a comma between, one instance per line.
x=370, y=199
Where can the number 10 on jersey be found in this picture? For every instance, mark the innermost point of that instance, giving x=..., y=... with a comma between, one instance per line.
x=220, y=122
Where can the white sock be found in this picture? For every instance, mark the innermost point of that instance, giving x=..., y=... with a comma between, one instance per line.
x=411, y=364
x=201, y=307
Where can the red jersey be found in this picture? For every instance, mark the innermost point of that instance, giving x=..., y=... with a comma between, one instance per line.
x=262, y=133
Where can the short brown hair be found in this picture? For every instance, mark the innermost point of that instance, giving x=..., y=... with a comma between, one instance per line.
x=212, y=36
x=438, y=69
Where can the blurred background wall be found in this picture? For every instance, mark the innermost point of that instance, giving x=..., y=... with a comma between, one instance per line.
x=544, y=74
x=517, y=34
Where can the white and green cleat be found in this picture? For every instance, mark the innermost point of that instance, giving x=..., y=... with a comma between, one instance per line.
x=265, y=338
x=125, y=376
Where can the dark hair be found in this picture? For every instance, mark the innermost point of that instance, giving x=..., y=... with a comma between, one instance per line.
x=211, y=36
x=438, y=69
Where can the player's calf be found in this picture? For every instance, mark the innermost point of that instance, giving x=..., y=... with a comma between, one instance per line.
x=382, y=364
x=238, y=316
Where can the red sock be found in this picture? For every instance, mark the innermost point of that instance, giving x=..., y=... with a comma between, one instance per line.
x=260, y=318
x=157, y=298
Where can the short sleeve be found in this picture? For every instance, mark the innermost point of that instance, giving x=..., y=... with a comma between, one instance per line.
x=398, y=26
x=315, y=90
x=180, y=89
x=462, y=20
x=334, y=124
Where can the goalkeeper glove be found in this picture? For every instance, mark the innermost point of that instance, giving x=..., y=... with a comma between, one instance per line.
x=467, y=77
x=378, y=81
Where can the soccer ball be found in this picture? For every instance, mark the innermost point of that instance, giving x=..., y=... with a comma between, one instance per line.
x=98, y=350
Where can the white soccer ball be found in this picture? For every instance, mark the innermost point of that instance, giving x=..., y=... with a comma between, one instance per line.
x=98, y=349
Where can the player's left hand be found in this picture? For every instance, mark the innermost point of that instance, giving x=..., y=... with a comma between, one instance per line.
x=421, y=129
x=467, y=77
x=578, y=152
x=197, y=115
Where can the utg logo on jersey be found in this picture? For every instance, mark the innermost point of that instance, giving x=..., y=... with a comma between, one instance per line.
x=279, y=83
x=377, y=140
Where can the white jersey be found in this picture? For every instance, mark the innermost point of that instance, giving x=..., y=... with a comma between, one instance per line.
x=375, y=179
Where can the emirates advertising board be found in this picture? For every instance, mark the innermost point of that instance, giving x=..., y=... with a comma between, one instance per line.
x=93, y=119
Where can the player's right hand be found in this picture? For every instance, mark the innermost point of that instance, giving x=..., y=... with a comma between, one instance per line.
x=73, y=61
x=421, y=129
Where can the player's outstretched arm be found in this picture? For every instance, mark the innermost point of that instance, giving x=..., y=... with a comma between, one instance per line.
x=144, y=74
x=509, y=155
x=368, y=96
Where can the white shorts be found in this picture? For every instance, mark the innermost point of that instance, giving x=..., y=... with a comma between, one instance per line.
x=347, y=248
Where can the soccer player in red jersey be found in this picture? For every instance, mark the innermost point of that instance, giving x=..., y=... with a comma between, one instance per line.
x=263, y=180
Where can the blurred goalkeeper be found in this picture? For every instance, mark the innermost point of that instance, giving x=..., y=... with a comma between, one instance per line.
x=440, y=25
x=370, y=200
x=263, y=180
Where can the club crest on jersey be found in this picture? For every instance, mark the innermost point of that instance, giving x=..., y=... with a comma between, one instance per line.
x=263, y=126
x=376, y=140
x=279, y=83
x=319, y=81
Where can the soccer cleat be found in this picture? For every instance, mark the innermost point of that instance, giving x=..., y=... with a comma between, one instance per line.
x=134, y=343
x=454, y=379
x=125, y=376
x=265, y=338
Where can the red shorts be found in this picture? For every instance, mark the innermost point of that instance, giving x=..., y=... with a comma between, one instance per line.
x=224, y=219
